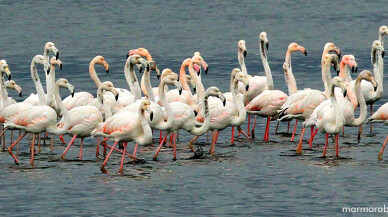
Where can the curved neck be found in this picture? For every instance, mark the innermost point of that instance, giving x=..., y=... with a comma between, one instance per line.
x=38, y=85
x=4, y=93
x=65, y=114
x=290, y=81
x=241, y=61
x=182, y=78
x=345, y=72
x=363, y=109
x=198, y=83
x=146, y=85
x=326, y=78
x=239, y=105
x=131, y=78
x=267, y=70
x=381, y=39
x=93, y=74
x=325, y=51
x=105, y=105
x=197, y=131
x=50, y=84
x=146, y=137
x=378, y=69
x=165, y=125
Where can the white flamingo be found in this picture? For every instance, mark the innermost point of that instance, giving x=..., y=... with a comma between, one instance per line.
x=380, y=116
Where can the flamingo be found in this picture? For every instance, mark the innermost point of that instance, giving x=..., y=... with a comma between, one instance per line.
x=84, y=119
x=380, y=116
x=11, y=84
x=37, y=119
x=125, y=127
x=329, y=120
x=383, y=31
x=35, y=99
x=371, y=96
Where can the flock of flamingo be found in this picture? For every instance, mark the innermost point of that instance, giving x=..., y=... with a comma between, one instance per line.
x=122, y=115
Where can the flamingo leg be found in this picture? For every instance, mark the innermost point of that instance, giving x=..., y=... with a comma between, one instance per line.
x=277, y=126
x=343, y=130
x=16, y=142
x=11, y=135
x=171, y=137
x=253, y=128
x=68, y=147
x=336, y=145
x=360, y=130
x=299, y=149
x=190, y=144
x=160, y=146
x=288, y=127
x=39, y=142
x=123, y=157
x=211, y=144
x=326, y=142
x=174, y=158
x=249, y=126
x=242, y=131
x=107, y=158
x=52, y=143
x=80, y=148
x=104, y=142
x=32, y=149
x=62, y=140
x=207, y=134
x=134, y=153
x=232, y=139
x=293, y=132
x=312, y=138
x=121, y=151
x=266, y=134
x=98, y=147
x=3, y=135
x=380, y=157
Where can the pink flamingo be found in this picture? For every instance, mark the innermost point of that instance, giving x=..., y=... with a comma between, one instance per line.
x=380, y=116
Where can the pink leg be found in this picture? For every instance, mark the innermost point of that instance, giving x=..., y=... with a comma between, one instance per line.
x=98, y=147
x=293, y=132
x=38, y=138
x=134, y=153
x=266, y=135
x=11, y=135
x=242, y=131
x=61, y=138
x=80, y=148
x=123, y=157
x=16, y=142
x=277, y=126
x=299, y=149
x=174, y=158
x=253, y=128
x=105, y=144
x=160, y=146
x=312, y=138
x=232, y=139
x=32, y=150
x=68, y=146
x=171, y=137
x=326, y=142
x=249, y=126
x=380, y=157
x=336, y=145
x=107, y=158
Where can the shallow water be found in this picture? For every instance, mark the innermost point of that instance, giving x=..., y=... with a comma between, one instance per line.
x=249, y=178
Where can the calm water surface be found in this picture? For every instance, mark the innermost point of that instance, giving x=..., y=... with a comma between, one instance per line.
x=249, y=178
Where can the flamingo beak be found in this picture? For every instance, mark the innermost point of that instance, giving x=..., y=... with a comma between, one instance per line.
x=195, y=89
x=345, y=92
x=267, y=46
x=180, y=91
x=305, y=52
x=20, y=94
x=127, y=56
x=382, y=54
x=48, y=70
x=60, y=66
x=151, y=116
x=245, y=54
x=57, y=55
x=247, y=87
x=338, y=52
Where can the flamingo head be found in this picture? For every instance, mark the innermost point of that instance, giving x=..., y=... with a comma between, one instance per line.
x=173, y=80
x=339, y=82
x=214, y=91
x=330, y=47
x=54, y=61
x=107, y=86
x=137, y=59
x=12, y=85
x=100, y=60
x=367, y=75
x=350, y=60
x=63, y=83
x=241, y=77
x=332, y=59
x=191, y=82
x=154, y=67
x=383, y=30
x=293, y=47
x=377, y=49
x=167, y=72
x=242, y=48
x=198, y=61
x=4, y=68
x=39, y=59
x=50, y=46
x=263, y=42
x=146, y=106
x=140, y=51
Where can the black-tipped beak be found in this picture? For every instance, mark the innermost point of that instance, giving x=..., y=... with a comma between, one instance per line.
x=353, y=69
x=148, y=67
x=48, y=70
x=178, y=78
x=20, y=94
x=57, y=55
x=339, y=55
x=305, y=52
x=195, y=113
x=199, y=72
x=72, y=94
x=158, y=76
x=267, y=46
x=195, y=89
x=151, y=116
x=117, y=97
x=60, y=66
x=338, y=73
x=245, y=54
x=141, y=70
x=382, y=54
x=345, y=92
x=206, y=70
x=127, y=57
x=375, y=88
x=246, y=88
x=9, y=77
x=180, y=91
x=107, y=71
x=224, y=102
